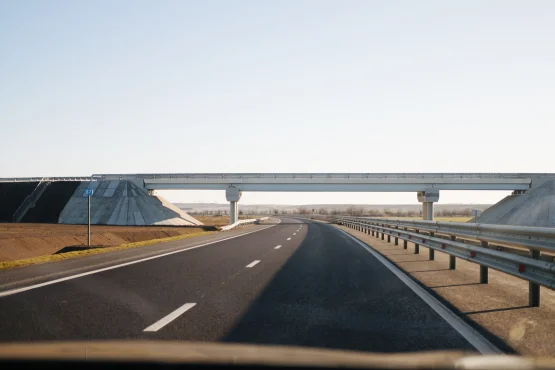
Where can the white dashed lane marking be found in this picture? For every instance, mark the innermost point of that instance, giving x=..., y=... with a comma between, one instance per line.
x=169, y=318
x=252, y=264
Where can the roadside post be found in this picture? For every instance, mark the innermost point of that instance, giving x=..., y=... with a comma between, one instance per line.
x=89, y=193
x=475, y=214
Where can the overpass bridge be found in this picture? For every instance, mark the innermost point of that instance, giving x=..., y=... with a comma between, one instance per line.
x=426, y=185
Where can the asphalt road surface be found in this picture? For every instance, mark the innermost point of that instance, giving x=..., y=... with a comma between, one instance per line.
x=297, y=283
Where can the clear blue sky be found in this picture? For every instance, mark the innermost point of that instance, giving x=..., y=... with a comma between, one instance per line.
x=277, y=86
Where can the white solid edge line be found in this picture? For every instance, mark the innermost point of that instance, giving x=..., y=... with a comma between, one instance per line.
x=252, y=264
x=278, y=247
x=40, y=285
x=288, y=238
x=169, y=318
x=483, y=345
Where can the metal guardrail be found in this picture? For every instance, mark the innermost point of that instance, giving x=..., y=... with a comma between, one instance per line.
x=249, y=221
x=427, y=233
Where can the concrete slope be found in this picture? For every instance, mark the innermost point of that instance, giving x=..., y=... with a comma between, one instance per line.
x=121, y=203
x=491, y=215
x=172, y=207
x=535, y=208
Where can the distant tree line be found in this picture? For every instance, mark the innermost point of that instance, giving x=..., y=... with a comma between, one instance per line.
x=351, y=211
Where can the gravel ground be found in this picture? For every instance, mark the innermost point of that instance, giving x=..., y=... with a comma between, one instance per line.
x=499, y=307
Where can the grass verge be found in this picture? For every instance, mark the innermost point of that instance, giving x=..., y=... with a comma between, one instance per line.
x=89, y=252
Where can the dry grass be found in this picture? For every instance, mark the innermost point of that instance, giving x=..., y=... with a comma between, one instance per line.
x=88, y=252
x=23, y=241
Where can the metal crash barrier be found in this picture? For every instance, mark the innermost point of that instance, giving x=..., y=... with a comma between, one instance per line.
x=472, y=242
x=250, y=221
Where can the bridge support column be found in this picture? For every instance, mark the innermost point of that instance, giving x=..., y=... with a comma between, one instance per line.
x=233, y=212
x=233, y=195
x=427, y=198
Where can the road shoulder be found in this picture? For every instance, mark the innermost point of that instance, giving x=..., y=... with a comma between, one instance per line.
x=36, y=274
x=499, y=307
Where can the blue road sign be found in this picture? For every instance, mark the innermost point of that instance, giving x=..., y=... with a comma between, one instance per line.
x=88, y=192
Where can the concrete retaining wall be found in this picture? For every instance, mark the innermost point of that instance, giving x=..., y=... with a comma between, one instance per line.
x=12, y=194
x=51, y=203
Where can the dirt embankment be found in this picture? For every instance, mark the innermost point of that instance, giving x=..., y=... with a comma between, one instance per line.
x=19, y=241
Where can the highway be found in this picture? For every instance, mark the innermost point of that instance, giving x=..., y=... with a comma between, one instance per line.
x=295, y=283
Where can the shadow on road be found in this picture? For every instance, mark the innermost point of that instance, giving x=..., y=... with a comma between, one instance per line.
x=332, y=295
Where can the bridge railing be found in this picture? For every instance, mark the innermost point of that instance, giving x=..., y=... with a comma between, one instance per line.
x=249, y=221
x=300, y=176
x=471, y=242
x=39, y=179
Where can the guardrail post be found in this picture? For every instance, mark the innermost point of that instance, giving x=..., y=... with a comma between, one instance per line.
x=431, y=252
x=396, y=238
x=405, y=242
x=453, y=259
x=534, y=288
x=416, y=246
x=484, y=269
x=388, y=238
x=383, y=235
x=372, y=232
